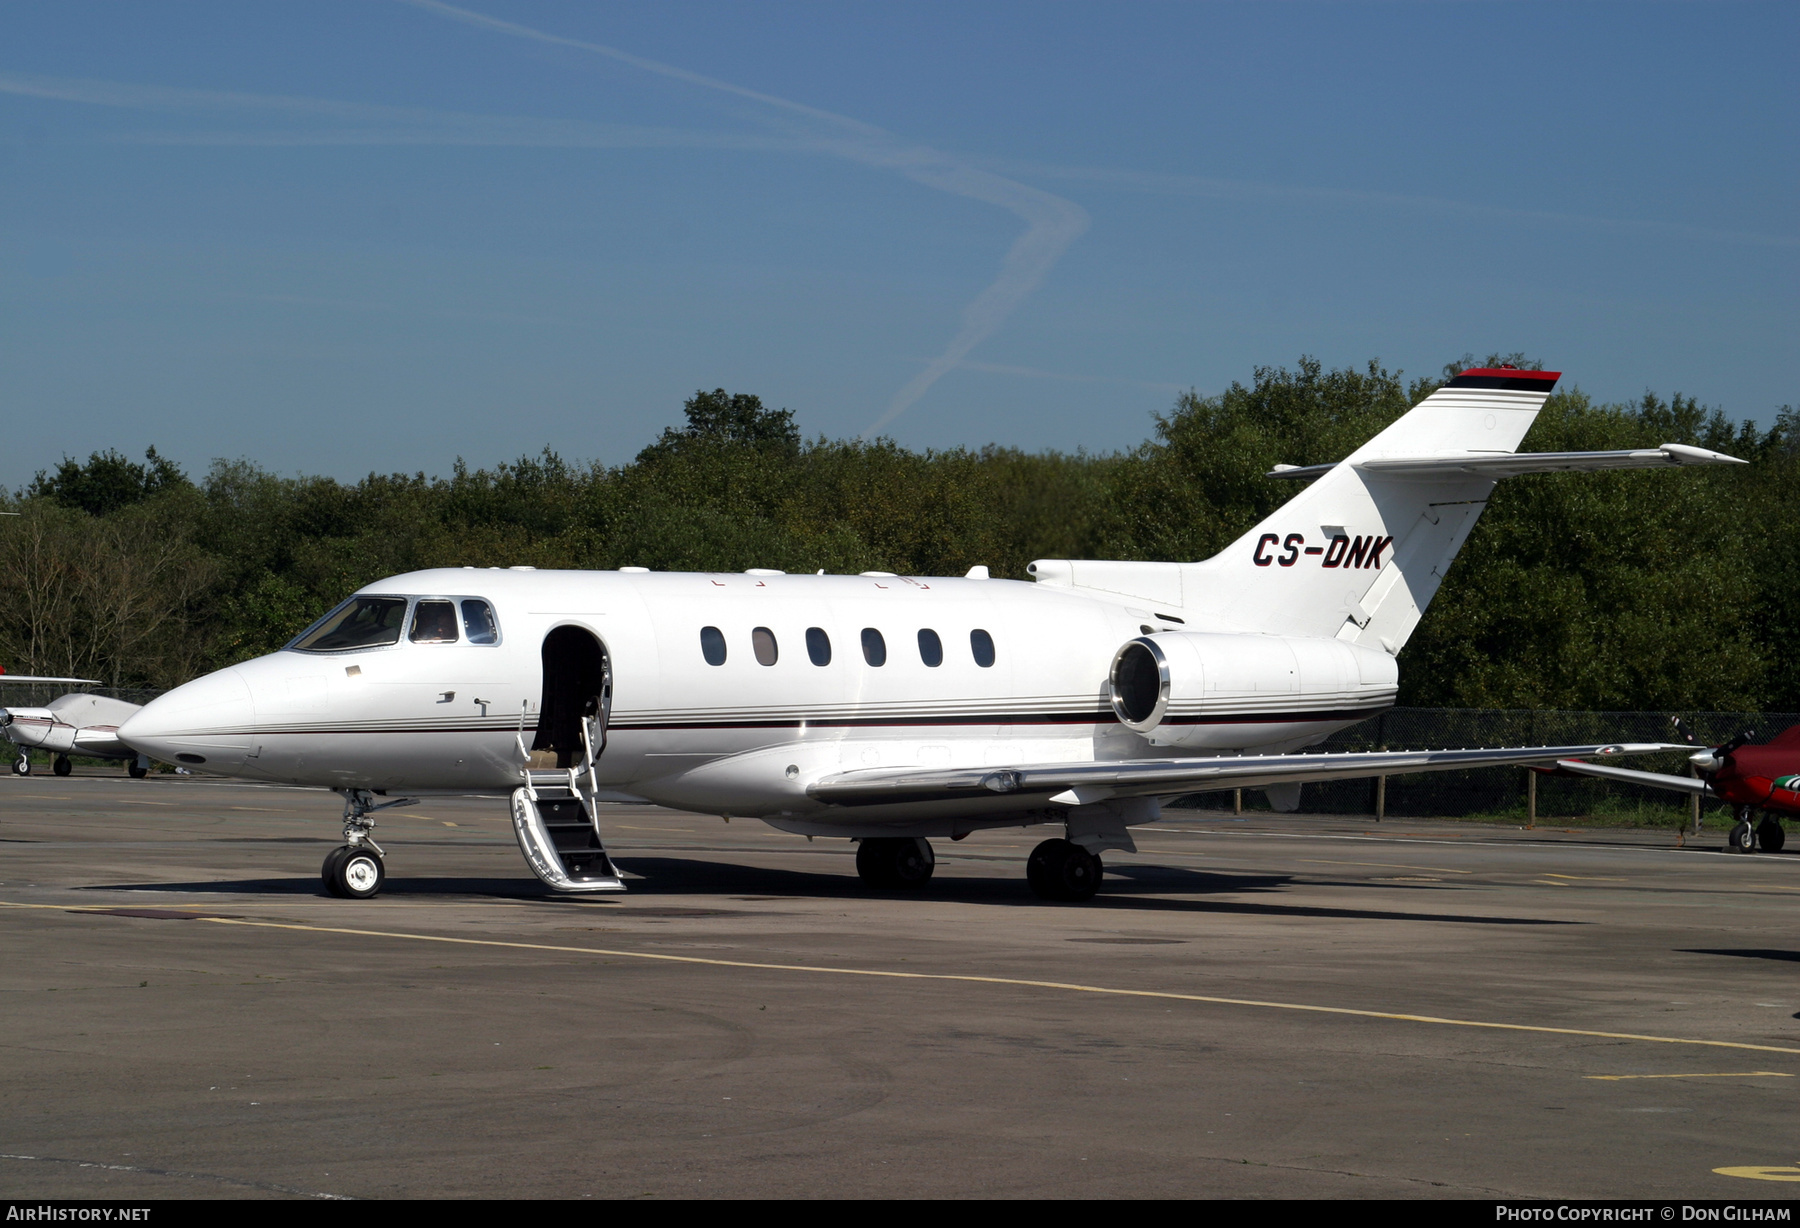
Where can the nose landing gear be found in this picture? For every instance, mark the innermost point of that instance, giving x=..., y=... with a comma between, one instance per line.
x=22, y=765
x=355, y=870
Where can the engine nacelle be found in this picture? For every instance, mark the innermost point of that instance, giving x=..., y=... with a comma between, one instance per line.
x=1201, y=690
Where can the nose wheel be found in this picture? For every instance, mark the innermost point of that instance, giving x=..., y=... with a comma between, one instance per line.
x=352, y=873
x=22, y=765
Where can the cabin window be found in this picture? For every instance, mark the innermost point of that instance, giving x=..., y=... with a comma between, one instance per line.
x=762, y=644
x=931, y=648
x=982, y=645
x=434, y=622
x=712, y=645
x=818, y=646
x=361, y=622
x=478, y=622
x=874, y=647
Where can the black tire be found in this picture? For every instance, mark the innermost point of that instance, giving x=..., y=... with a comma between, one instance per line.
x=1064, y=872
x=328, y=871
x=1769, y=836
x=358, y=875
x=913, y=861
x=22, y=766
x=136, y=772
x=890, y=862
x=1742, y=837
x=875, y=862
x=62, y=766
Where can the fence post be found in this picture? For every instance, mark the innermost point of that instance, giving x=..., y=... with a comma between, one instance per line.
x=1380, y=798
x=1694, y=813
x=1530, y=799
x=1237, y=801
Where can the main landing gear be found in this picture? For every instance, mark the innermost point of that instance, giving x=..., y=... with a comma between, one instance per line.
x=1062, y=870
x=139, y=767
x=888, y=862
x=62, y=766
x=354, y=870
x=1766, y=836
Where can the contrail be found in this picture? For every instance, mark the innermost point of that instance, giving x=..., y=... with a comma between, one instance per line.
x=1051, y=222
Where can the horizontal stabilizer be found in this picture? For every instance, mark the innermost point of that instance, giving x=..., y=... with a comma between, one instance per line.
x=1148, y=777
x=1654, y=780
x=1512, y=464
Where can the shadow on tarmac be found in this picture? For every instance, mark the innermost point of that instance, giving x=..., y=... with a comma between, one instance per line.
x=1129, y=889
x=1744, y=952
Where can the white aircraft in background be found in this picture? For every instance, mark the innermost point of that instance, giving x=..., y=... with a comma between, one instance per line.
x=76, y=723
x=889, y=709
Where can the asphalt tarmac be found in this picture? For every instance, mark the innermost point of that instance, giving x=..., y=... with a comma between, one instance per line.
x=1276, y=1006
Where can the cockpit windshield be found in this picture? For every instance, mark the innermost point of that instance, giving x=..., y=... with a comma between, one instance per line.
x=361, y=622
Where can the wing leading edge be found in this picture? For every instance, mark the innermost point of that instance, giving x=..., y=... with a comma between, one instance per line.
x=1080, y=784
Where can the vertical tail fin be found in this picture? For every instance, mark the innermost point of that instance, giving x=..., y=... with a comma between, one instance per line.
x=1360, y=553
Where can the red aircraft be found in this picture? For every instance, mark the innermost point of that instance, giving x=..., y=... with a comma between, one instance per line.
x=1762, y=776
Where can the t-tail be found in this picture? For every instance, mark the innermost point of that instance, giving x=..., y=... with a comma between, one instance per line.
x=1359, y=554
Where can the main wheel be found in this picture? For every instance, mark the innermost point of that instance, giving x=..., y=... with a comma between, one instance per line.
x=1063, y=871
x=22, y=765
x=1769, y=836
x=913, y=861
x=357, y=875
x=895, y=861
x=137, y=770
x=1741, y=839
x=62, y=766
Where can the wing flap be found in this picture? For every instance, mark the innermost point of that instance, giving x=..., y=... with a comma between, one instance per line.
x=1654, y=780
x=1144, y=777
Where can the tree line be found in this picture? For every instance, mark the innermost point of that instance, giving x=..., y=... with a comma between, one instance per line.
x=1628, y=590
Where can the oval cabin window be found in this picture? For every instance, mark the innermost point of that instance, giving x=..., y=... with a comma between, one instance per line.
x=874, y=647
x=818, y=646
x=982, y=645
x=762, y=643
x=712, y=645
x=931, y=648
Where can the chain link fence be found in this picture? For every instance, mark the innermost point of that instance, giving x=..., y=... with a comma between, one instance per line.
x=1503, y=792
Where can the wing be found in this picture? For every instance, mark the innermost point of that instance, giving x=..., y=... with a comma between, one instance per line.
x=1655, y=780
x=1512, y=464
x=29, y=678
x=1080, y=784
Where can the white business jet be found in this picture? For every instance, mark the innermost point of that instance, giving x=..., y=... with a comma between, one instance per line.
x=889, y=709
x=77, y=723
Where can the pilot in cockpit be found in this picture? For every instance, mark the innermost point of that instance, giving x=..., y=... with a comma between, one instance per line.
x=434, y=622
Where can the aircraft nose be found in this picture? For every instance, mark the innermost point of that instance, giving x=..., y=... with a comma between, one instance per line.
x=209, y=721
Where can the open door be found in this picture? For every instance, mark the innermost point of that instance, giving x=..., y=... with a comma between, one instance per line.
x=577, y=693
x=556, y=813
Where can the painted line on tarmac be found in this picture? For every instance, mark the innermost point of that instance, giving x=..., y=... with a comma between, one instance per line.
x=1742, y=1074
x=1382, y=865
x=965, y=978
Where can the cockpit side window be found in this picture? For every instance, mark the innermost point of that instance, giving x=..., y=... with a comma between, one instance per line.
x=478, y=621
x=434, y=622
x=361, y=622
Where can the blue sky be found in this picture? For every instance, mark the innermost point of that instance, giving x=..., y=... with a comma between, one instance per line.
x=378, y=235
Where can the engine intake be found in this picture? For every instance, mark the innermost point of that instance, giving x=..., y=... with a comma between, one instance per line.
x=1200, y=689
